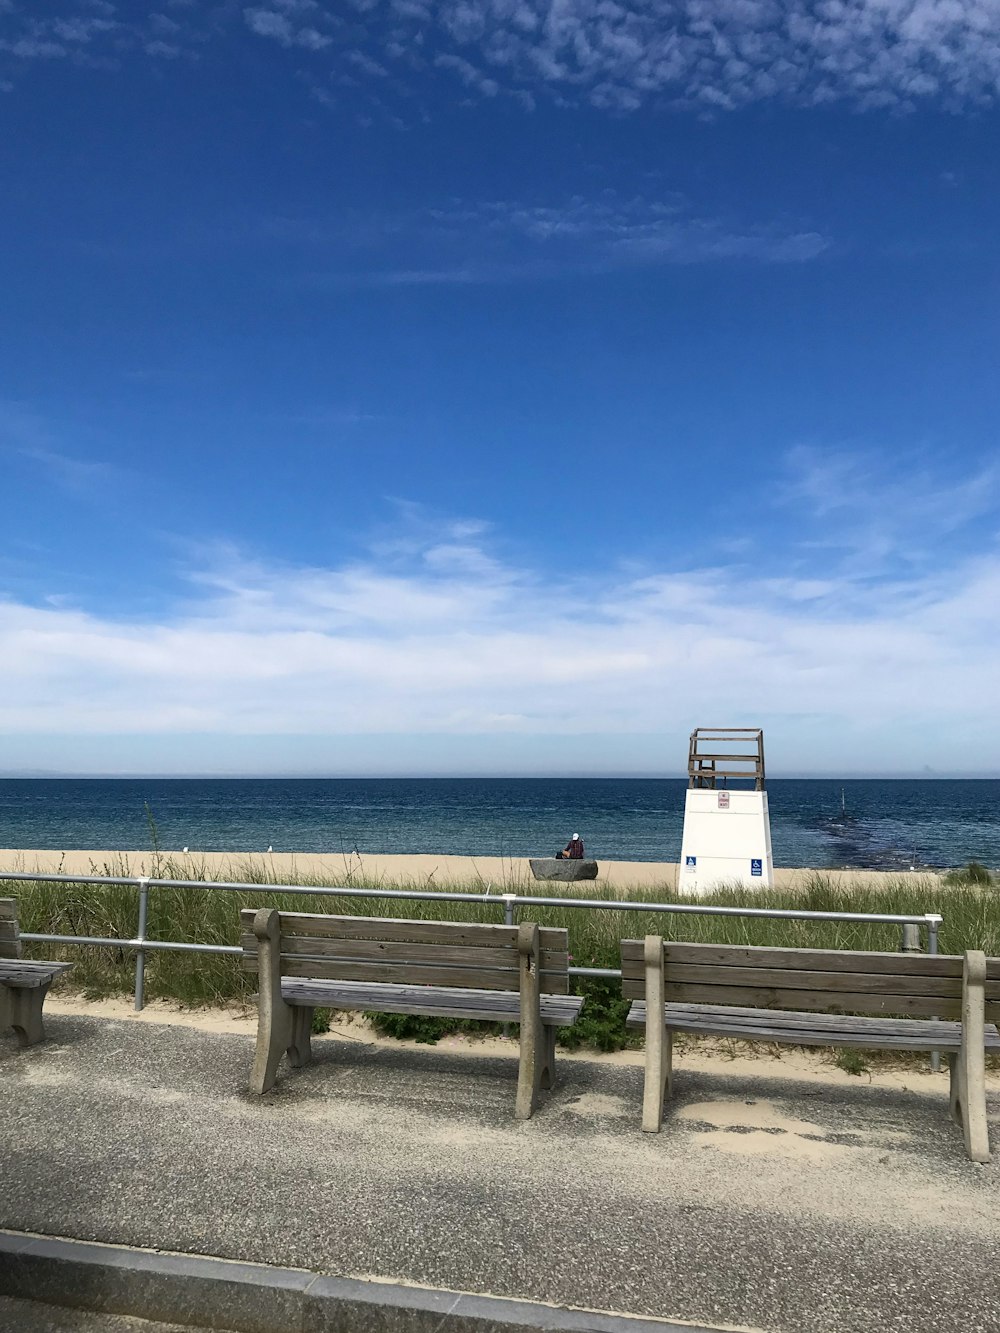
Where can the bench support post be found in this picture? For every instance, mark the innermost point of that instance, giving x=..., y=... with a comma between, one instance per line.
x=300, y=1049
x=534, y=1060
x=968, y=1066
x=548, y=1077
x=24, y=1012
x=659, y=1042
x=274, y=1016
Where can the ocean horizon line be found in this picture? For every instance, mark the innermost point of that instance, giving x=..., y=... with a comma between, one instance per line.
x=828, y=775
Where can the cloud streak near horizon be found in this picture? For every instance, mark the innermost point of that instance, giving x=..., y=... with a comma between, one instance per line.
x=612, y=54
x=438, y=634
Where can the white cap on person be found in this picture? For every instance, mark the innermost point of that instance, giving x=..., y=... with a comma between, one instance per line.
x=575, y=838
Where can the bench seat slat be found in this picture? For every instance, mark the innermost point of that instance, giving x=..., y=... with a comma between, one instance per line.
x=439, y=1001
x=24, y=974
x=768, y=1026
x=790, y=1019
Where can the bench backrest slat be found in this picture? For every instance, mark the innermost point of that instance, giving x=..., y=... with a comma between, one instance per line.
x=10, y=935
x=441, y=953
x=814, y=980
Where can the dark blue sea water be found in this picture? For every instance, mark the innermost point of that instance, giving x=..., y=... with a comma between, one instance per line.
x=888, y=824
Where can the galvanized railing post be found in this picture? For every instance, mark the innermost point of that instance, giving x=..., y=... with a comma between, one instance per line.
x=140, y=935
x=911, y=939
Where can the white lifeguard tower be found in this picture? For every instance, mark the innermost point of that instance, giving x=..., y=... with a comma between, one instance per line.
x=727, y=830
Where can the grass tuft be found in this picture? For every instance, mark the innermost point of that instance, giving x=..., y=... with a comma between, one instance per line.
x=969, y=905
x=852, y=1061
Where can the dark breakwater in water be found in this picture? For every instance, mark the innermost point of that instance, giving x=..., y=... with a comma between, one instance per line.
x=876, y=824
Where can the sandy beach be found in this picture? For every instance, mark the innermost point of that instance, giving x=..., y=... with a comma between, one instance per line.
x=498, y=873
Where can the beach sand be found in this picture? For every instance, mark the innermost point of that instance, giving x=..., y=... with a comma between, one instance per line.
x=708, y=1055
x=496, y=872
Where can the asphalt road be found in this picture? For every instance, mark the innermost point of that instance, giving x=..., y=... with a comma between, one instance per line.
x=783, y=1206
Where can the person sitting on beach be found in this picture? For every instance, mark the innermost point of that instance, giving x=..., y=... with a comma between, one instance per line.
x=573, y=851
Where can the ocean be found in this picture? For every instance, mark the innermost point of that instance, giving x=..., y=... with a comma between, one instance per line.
x=858, y=823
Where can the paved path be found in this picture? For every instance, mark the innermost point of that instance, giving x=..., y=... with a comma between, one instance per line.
x=789, y=1207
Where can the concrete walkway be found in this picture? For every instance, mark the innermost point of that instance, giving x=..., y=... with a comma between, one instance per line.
x=792, y=1207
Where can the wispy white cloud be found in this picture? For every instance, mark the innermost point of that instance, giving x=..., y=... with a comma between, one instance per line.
x=499, y=241
x=432, y=630
x=26, y=437
x=881, y=516
x=620, y=54
x=72, y=474
x=709, y=55
x=98, y=35
x=468, y=73
x=287, y=21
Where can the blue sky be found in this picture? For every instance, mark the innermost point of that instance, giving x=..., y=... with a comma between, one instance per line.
x=498, y=385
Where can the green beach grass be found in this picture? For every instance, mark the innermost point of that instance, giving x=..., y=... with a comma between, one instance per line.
x=970, y=908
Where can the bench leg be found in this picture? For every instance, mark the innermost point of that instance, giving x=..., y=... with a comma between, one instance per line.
x=968, y=1067
x=533, y=1040
x=659, y=1041
x=26, y=1013
x=274, y=1036
x=548, y=1076
x=968, y=1100
x=530, y=1068
x=300, y=1050
x=274, y=1016
x=659, y=1082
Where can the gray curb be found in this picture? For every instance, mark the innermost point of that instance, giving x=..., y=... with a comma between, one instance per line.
x=255, y=1298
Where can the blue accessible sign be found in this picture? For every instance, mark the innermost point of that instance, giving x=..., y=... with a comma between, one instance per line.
x=690, y=862
x=756, y=867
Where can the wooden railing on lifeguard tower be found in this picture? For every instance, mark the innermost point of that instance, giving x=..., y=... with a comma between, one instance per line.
x=729, y=753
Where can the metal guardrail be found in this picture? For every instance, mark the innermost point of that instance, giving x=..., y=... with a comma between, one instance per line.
x=509, y=902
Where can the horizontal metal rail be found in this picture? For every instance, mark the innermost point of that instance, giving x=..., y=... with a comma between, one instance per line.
x=487, y=896
x=508, y=901
x=120, y=942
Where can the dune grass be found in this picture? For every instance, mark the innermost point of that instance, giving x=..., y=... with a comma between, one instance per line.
x=971, y=912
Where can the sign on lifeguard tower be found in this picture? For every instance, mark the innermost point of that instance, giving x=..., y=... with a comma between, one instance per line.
x=727, y=831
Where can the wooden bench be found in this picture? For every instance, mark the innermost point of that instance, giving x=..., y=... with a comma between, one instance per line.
x=500, y=974
x=901, y=1002
x=23, y=985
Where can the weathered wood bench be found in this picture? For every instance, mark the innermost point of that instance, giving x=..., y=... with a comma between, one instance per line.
x=903, y=1002
x=23, y=985
x=500, y=974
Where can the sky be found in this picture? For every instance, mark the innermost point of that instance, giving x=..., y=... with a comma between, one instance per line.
x=498, y=386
